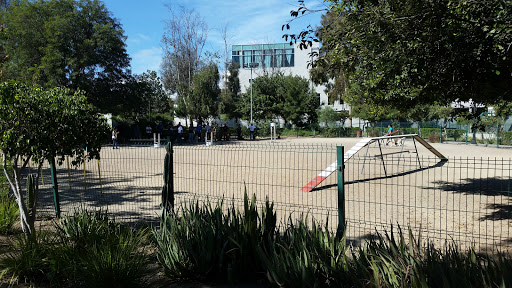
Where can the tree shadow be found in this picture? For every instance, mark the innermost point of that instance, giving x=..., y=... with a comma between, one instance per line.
x=502, y=212
x=131, y=198
x=491, y=187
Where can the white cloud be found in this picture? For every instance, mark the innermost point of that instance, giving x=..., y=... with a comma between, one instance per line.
x=146, y=59
x=138, y=39
x=253, y=22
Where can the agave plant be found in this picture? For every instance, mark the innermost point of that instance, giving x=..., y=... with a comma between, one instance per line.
x=305, y=257
x=98, y=252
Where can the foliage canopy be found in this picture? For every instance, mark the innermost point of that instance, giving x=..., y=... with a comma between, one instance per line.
x=400, y=54
x=68, y=43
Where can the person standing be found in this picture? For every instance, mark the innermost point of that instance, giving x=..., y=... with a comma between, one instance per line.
x=191, y=133
x=149, y=131
x=390, y=130
x=115, y=132
x=252, y=128
x=198, y=131
x=180, y=132
x=208, y=130
x=239, y=132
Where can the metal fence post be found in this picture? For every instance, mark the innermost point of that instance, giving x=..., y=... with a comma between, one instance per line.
x=497, y=135
x=55, y=187
x=341, y=191
x=168, y=189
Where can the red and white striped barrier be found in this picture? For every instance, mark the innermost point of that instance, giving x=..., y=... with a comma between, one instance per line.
x=331, y=168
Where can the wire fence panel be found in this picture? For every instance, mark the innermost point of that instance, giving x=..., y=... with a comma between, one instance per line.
x=467, y=200
x=126, y=182
x=270, y=171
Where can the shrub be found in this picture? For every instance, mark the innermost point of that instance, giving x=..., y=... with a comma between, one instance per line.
x=202, y=242
x=29, y=260
x=9, y=213
x=306, y=257
x=87, y=249
x=505, y=138
x=98, y=252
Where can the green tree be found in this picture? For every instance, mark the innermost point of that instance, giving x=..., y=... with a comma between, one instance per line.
x=230, y=96
x=299, y=106
x=276, y=95
x=39, y=124
x=67, y=43
x=329, y=116
x=405, y=53
x=154, y=97
x=203, y=101
x=265, y=98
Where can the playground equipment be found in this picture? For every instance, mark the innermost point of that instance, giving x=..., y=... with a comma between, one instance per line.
x=208, y=141
x=366, y=143
x=156, y=140
x=273, y=131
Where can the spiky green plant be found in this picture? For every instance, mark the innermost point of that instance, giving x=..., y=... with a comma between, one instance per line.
x=98, y=252
x=190, y=242
x=29, y=259
x=203, y=242
x=305, y=257
x=8, y=207
x=8, y=213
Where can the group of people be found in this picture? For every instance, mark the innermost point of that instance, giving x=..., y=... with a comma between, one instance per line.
x=182, y=134
x=201, y=133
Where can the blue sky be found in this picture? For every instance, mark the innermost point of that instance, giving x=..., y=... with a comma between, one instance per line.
x=248, y=22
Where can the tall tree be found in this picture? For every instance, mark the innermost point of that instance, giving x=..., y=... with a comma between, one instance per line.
x=276, y=95
x=41, y=124
x=299, y=105
x=405, y=53
x=266, y=99
x=154, y=97
x=230, y=96
x=204, y=97
x=184, y=39
x=67, y=43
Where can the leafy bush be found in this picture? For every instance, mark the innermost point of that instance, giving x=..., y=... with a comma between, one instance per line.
x=505, y=138
x=99, y=252
x=201, y=242
x=455, y=133
x=87, y=249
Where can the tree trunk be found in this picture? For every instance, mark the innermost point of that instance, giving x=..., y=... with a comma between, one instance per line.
x=26, y=221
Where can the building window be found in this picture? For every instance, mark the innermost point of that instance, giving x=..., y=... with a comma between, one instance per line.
x=267, y=55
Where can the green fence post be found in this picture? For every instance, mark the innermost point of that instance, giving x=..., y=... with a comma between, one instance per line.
x=341, y=191
x=55, y=187
x=168, y=175
x=467, y=132
x=440, y=132
x=497, y=135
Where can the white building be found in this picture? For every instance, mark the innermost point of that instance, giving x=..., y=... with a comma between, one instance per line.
x=285, y=57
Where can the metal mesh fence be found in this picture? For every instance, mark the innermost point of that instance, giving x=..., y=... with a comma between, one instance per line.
x=467, y=200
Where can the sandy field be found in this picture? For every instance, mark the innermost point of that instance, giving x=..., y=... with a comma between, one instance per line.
x=466, y=199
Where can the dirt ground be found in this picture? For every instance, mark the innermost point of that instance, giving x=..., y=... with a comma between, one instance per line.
x=466, y=199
